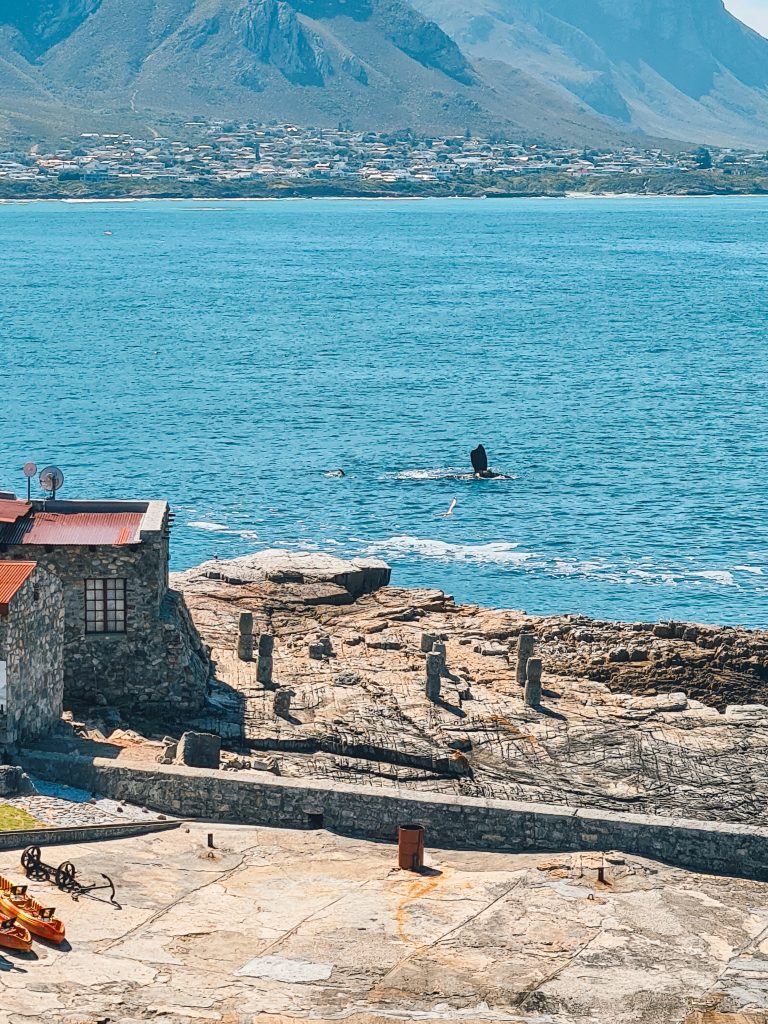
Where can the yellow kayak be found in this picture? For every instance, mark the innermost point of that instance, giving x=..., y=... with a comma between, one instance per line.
x=16, y=902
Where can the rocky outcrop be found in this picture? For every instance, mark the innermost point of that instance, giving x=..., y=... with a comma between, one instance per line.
x=656, y=717
x=424, y=41
x=684, y=69
x=271, y=29
x=293, y=577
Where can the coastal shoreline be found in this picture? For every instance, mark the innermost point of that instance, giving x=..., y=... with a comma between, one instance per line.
x=569, y=196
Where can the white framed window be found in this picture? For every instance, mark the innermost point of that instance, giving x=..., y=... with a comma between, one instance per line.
x=105, y=605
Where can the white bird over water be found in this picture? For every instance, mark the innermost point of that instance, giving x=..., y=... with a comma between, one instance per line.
x=452, y=506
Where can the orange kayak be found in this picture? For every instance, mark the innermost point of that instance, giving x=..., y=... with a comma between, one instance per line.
x=13, y=935
x=40, y=920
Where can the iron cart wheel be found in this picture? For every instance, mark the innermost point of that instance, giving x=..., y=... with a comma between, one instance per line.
x=65, y=875
x=30, y=859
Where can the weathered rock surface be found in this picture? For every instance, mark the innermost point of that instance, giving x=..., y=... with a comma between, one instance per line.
x=289, y=576
x=645, y=730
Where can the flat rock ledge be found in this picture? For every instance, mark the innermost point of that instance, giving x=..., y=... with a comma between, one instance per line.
x=308, y=577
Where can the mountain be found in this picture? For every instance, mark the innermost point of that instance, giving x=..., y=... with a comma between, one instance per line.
x=680, y=69
x=365, y=63
x=593, y=72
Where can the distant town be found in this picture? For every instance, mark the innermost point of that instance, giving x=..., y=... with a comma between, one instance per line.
x=250, y=159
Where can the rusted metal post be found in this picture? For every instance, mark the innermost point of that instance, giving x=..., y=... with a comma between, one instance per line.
x=533, y=683
x=525, y=645
x=410, y=847
x=210, y=841
x=245, y=636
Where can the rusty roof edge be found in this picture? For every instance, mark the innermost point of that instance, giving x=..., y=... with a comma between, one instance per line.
x=24, y=570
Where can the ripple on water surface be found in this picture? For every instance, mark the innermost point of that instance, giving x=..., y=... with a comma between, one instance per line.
x=610, y=355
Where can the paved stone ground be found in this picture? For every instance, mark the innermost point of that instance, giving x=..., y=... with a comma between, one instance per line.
x=276, y=926
x=63, y=806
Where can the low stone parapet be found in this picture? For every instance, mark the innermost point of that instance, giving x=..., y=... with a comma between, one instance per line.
x=20, y=839
x=451, y=822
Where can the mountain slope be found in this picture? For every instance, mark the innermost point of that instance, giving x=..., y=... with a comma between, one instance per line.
x=365, y=63
x=683, y=69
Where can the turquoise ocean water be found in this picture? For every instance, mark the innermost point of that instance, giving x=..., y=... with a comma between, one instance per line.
x=610, y=354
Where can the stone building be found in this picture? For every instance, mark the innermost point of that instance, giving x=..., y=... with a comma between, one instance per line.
x=31, y=651
x=128, y=638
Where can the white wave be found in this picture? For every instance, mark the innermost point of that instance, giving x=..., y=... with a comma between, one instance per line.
x=221, y=528
x=754, y=570
x=509, y=554
x=429, y=474
x=721, y=576
x=499, y=553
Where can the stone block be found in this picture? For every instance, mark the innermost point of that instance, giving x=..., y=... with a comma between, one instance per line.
x=265, y=664
x=10, y=780
x=525, y=646
x=199, y=750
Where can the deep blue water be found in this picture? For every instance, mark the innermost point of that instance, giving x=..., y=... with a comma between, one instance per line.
x=610, y=354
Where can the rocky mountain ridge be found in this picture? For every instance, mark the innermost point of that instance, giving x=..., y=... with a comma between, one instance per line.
x=684, y=69
x=364, y=63
x=588, y=72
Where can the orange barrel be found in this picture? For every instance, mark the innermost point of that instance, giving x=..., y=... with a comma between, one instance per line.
x=410, y=847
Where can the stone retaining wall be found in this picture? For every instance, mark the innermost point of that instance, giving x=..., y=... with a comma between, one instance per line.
x=20, y=839
x=450, y=822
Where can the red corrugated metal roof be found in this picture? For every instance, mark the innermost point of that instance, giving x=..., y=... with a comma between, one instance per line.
x=11, y=510
x=12, y=577
x=96, y=528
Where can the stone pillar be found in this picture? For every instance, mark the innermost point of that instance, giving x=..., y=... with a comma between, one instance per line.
x=533, y=683
x=525, y=645
x=435, y=669
x=439, y=648
x=282, y=702
x=264, y=666
x=245, y=636
x=427, y=642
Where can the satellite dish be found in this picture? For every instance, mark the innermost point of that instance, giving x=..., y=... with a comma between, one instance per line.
x=51, y=479
x=30, y=469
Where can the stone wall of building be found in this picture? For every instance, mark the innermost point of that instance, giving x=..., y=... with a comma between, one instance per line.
x=450, y=822
x=159, y=662
x=31, y=644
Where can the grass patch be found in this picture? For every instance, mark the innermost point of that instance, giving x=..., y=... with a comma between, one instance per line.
x=13, y=819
